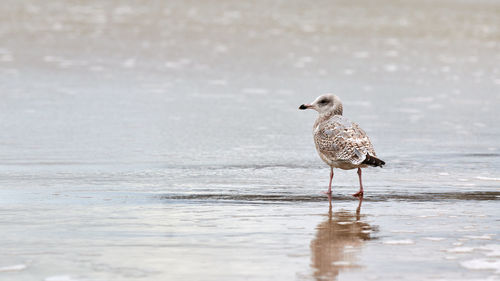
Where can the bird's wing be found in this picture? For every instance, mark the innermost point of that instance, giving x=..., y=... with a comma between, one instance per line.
x=340, y=139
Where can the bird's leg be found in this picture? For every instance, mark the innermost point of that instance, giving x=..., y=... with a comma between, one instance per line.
x=331, y=178
x=360, y=192
x=329, y=192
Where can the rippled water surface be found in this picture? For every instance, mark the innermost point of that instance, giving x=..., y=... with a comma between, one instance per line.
x=162, y=140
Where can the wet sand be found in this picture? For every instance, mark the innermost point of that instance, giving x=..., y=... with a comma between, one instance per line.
x=163, y=141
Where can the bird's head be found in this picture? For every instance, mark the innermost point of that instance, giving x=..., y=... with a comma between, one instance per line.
x=325, y=105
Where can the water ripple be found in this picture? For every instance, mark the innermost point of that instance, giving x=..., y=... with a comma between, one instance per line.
x=420, y=197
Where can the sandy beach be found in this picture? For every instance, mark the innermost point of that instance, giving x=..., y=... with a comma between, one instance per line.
x=163, y=141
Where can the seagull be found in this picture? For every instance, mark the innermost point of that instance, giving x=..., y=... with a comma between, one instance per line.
x=340, y=143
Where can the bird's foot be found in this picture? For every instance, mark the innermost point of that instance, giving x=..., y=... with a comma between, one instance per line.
x=329, y=193
x=358, y=194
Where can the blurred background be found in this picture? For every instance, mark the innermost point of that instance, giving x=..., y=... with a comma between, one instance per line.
x=125, y=121
x=125, y=81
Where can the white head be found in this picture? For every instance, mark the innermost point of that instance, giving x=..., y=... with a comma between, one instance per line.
x=326, y=104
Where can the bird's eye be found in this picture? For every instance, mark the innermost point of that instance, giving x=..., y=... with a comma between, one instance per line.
x=323, y=102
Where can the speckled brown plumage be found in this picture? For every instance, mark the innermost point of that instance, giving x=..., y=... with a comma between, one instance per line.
x=341, y=143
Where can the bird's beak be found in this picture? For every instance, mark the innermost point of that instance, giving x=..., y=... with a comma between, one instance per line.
x=305, y=106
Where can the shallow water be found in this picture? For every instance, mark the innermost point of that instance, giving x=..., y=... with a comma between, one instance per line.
x=164, y=141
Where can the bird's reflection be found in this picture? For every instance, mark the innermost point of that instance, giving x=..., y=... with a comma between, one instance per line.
x=337, y=241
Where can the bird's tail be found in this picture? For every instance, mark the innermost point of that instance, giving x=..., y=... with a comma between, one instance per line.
x=373, y=161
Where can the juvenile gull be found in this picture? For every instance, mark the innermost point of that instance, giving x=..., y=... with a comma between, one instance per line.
x=340, y=143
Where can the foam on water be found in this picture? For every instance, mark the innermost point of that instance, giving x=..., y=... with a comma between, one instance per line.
x=434, y=238
x=487, y=178
x=480, y=237
x=341, y=263
x=399, y=242
x=482, y=264
x=461, y=250
x=16, y=267
x=60, y=278
x=493, y=250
